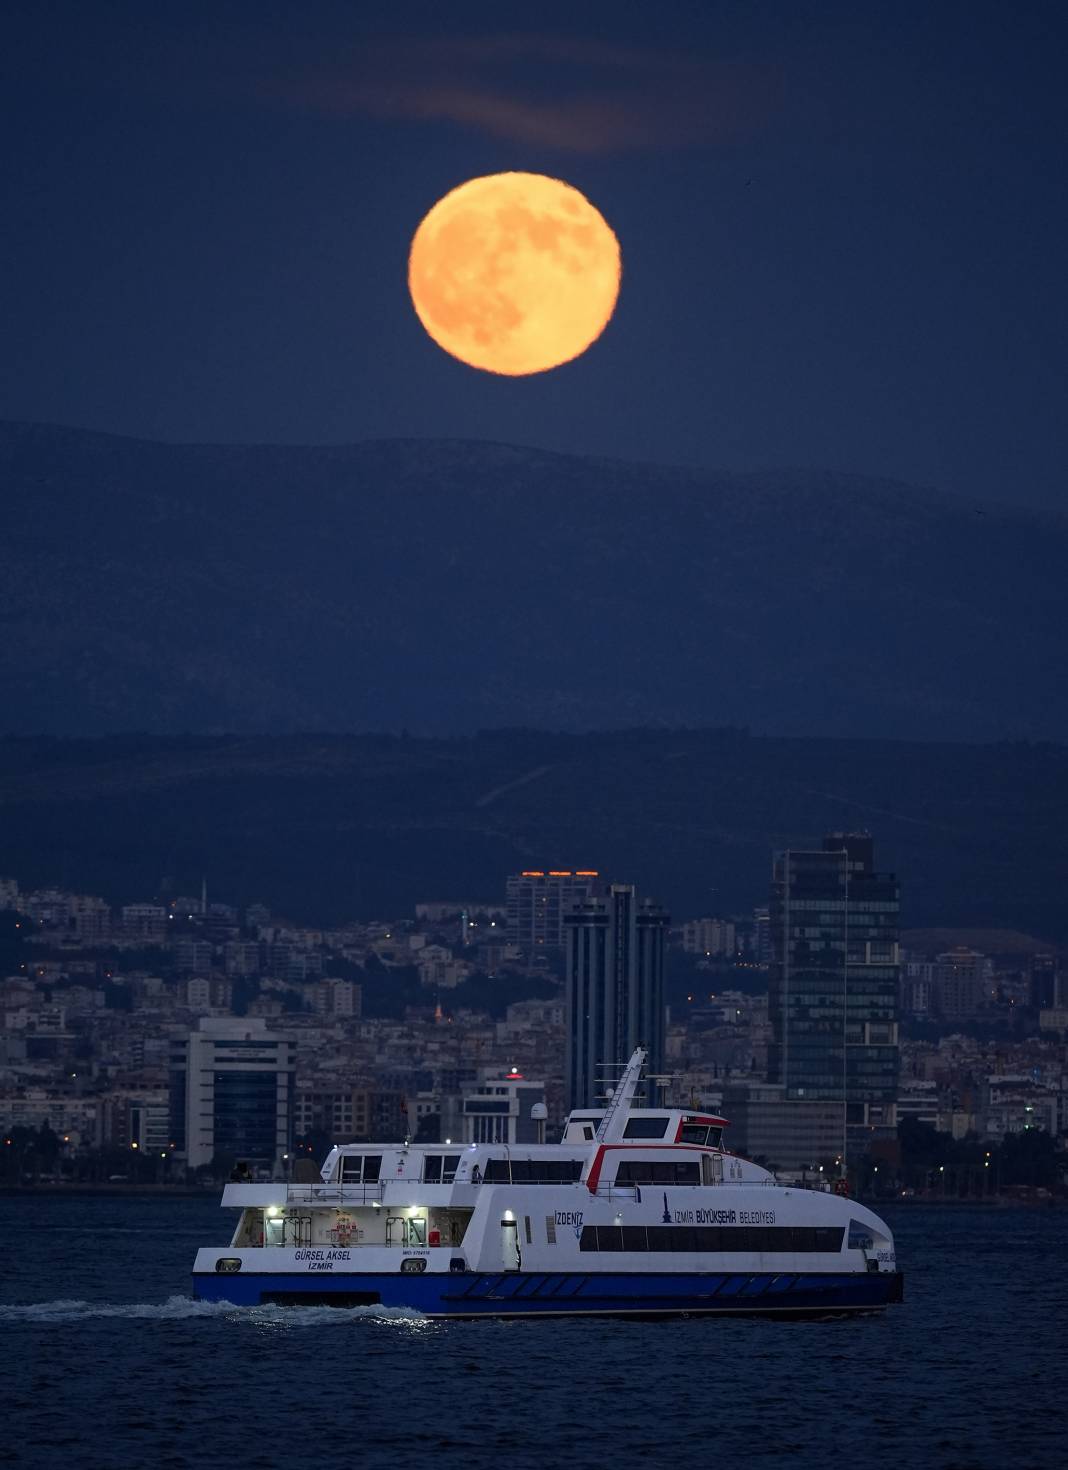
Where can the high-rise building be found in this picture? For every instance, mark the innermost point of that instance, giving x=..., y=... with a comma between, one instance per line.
x=232, y=1092
x=709, y=937
x=833, y=983
x=537, y=901
x=1047, y=988
x=962, y=984
x=615, y=949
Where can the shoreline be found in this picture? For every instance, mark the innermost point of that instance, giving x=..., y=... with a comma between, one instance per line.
x=214, y=1190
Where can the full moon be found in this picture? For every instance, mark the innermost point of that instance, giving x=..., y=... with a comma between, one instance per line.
x=514, y=273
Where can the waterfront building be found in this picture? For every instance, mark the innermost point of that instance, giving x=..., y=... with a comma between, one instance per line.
x=232, y=1092
x=537, y=902
x=506, y=1109
x=615, y=948
x=793, y=1134
x=833, y=983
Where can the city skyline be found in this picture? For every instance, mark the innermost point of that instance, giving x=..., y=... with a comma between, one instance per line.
x=307, y=989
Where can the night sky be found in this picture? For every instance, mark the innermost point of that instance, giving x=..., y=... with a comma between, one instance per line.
x=843, y=226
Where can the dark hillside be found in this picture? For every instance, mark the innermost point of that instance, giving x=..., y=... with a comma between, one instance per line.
x=326, y=826
x=445, y=587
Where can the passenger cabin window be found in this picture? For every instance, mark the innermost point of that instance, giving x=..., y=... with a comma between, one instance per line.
x=644, y=1171
x=796, y=1240
x=361, y=1168
x=440, y=1168
x=701, y=1133
x=645, y=1128
x=532, y=1171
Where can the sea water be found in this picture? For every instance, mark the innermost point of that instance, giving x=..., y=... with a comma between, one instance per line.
x=107, y=1362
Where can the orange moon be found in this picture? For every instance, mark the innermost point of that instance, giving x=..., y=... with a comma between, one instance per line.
x=514, y=273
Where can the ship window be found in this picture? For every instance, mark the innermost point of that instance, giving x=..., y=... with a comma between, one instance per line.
x=550, y=1230
x=645, y=1171
x=645, y=1128
x=715, y=1137
x=532, y=1171
x=693, y=1133
x=440, y=1168
x=361, y=1169
x=710, y=1238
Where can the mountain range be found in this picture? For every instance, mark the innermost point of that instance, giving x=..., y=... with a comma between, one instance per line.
x=444, y=587
x=328, y=827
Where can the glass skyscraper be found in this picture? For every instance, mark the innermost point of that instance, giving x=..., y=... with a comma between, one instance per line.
x=833, y=983
x=615, y=990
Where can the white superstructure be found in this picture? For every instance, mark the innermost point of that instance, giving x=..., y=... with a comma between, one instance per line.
x=636, y=1210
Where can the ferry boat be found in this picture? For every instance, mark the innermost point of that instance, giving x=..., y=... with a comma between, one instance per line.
x=636, y=1212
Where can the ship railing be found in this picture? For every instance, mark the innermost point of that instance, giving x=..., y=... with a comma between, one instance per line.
x=622, y=1191
x=334, y=1194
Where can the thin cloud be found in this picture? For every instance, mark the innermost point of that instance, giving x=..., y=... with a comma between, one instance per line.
x=574, y=96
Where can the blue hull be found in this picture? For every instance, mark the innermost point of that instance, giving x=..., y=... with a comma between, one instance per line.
x=541, y=1293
